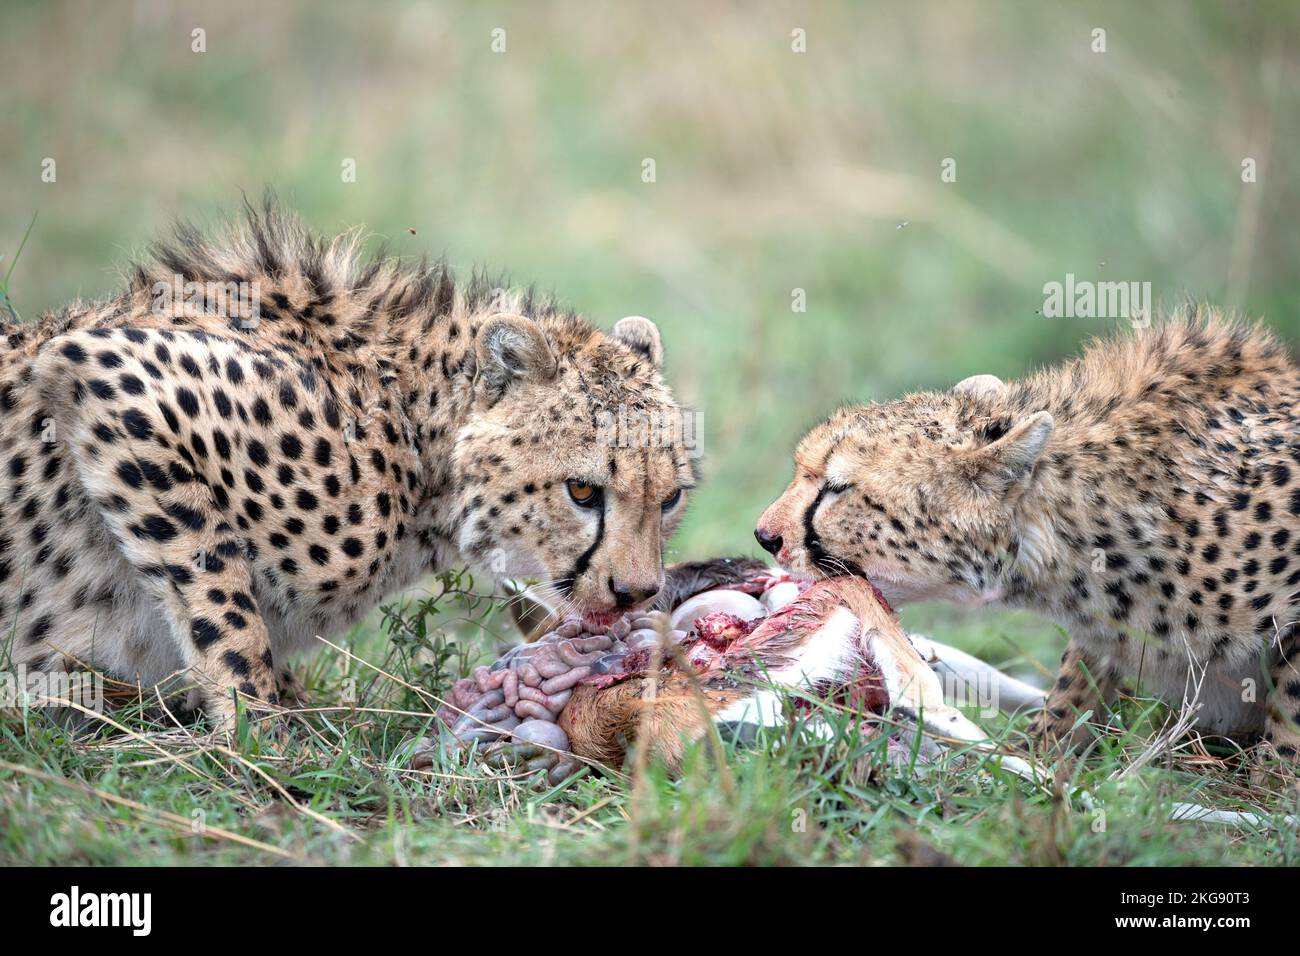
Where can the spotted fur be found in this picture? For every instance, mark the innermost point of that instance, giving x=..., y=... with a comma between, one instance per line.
x=182, y=489
x=1145, y=495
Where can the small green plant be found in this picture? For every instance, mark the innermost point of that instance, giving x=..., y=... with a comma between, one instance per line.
x=433, y=639
x=5, y=299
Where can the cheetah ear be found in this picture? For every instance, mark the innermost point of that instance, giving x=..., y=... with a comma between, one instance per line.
x=511, y=348
x=977, y=385
x=641, y=336
x=1012, y=456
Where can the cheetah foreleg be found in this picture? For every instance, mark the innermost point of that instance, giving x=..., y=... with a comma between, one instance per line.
x=138, y=463
x=1082, y=686
x=1282, y=706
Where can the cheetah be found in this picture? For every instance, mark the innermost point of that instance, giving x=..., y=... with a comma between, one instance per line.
x=1145, y=495
x=193, y=487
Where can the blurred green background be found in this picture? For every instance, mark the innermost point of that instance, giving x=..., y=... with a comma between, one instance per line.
x=775, y=171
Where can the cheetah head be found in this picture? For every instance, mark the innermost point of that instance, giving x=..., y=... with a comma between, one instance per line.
x=575, y=463
x=922, y=495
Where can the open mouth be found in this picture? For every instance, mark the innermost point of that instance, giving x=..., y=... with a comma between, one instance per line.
x=818, y=564
x=808, y=560
x=602, y=618
x=827, y=564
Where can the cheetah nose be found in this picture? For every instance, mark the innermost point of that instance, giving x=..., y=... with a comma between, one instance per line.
x=627, y=595
x=770, y=543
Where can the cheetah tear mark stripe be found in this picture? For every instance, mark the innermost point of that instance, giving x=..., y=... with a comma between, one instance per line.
x=811, y=539
x=813, y=542
x=584, y=560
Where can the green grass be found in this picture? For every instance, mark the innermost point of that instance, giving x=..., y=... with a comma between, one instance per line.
x=5, y=301
x=338, y=790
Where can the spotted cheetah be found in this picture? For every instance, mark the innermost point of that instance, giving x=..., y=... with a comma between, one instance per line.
x=1145, y=495
x=202, y=490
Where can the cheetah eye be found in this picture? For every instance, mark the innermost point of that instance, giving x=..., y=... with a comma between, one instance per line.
x=583, y=494
x=833, y=487
x=670, y=502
